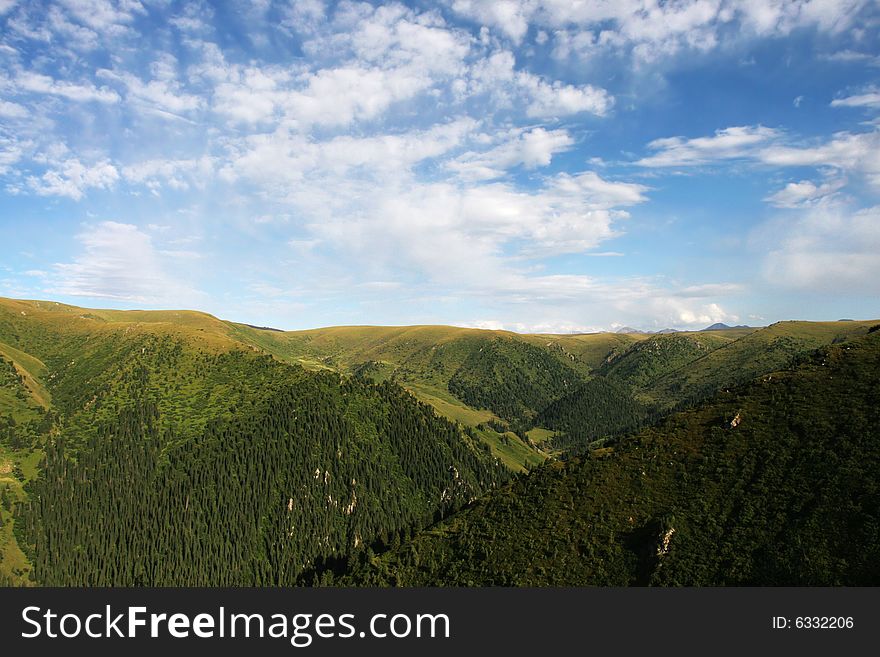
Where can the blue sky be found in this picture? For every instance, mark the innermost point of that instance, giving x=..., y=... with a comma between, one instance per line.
x=536, y=166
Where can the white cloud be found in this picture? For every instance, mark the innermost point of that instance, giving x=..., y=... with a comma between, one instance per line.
x=530, y=148
x=653, y=30
x=339, y=96
x=72, y=178
x=394, y=36
x=304, y=15
x=108, y=16
x=12, y=110
x=725, y=144
x=600, y=192
x=853, y=56
x=365, y=60
x=580, y=304
x=826, y=249
x=176, y=174
x=849, y=152
x=468, y=237
x=510, y=16
x=75, y=36
x=118, y=261
x=857, y=153
x=805, y=192
x=163, y=93
x=11, y=151
x=330, y=97
x=868, y=99
x=552, y=99
x=83, y=92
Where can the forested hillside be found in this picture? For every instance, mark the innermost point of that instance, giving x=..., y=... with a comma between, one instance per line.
x=318, y=469
x=133, y=443
x=515, y=380
x=773, y=483
x=600, y=408
x=177, y=455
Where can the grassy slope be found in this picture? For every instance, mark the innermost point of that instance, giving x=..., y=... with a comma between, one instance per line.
x=657, y=355
x=14, y=565
x=741, y=360
x=789, y=495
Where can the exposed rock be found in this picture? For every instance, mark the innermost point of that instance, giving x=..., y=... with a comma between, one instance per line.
x=663, y=547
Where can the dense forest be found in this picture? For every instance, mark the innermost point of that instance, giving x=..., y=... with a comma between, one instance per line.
x=512, y=379
x=773, y=483
x=317, y=469
x=600, y=408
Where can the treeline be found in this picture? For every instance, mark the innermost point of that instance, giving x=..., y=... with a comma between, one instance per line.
x=306, y=471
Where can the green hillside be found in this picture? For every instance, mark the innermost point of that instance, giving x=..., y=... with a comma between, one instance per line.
x=513, y=379
x=773, y=483
x=447, y=367
x=172, y=407
x=741, y=360
x=599, y=409
x=642, y=362
x=316, y=469
x=402, y=424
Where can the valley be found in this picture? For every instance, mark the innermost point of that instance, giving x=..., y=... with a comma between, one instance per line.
x=127, y=438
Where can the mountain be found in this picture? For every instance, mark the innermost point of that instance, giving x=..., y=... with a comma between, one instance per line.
x=748, y=353
x=153, y=448
x=319, y=443
x=718, y=326
x=644, y=361
x=772, y=483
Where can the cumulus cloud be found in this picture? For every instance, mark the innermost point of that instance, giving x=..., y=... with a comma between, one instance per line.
x=580, y=304
x=650, y=30
x=163, y=93
x=80, y=92
x=529, y=148
x=72, y=178
x=104, y=15
x=497, y=76
x=11, y=151
x=177, y=174
x=868, y=99
x=558, y=99
x=398, y=147
x=848, y=152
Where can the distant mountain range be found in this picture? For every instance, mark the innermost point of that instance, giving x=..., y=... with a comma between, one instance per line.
x=718, y=326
